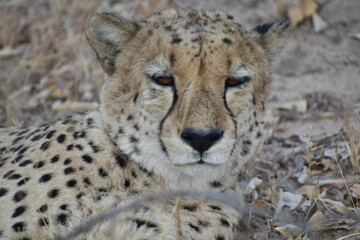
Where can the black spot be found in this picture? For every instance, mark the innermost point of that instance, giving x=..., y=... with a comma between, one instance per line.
x=191, y=208
x=219, y=237
x=262, y=29
x=14, y=176
x=1, y=233
x=213, y=207
x=245, y=150
x=62, y=219
x=19, y=195
x=229, y=17
x=197, y=229
x=3, y=191
x=216, y=184
x=139, y=223
x=19, y=227
x=67, y=161
x=55, y=159
x=43, y=208
x=53, y=193
x=168, y=28
x=130, y=117
x=102, y=172
x=45, y=146
x=61, y=138
x=127, y=183
x=79, y=195
x=198, y=39
x=90, y=122
x=135, y=97
x=79, y=147
x=259, y=134
x=15, y=149
x=18, y=211
x=71, y=183
x=16, y=140
x=133, y=139
x=247, y=142
x=8, y=174
x=64, y=207
x=86, y=158
x=120, y=160
x=70, y=147
x=39, y=164
x=224, y=222
x=151, y=225
x=36, y=137
x=17, y=159
x=227, y=41
x=50, y=134
x=45, y=178
x=176, y=40
x=23, y=181
x=121, y=130
x=87, y=181
x=81, y=134
x=187, y=25
x=94, y=147
x=133, y=173
x=68, y=170
x=43, y=222
x=23, y=150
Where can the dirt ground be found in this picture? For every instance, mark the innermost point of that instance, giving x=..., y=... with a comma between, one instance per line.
x=306, y=178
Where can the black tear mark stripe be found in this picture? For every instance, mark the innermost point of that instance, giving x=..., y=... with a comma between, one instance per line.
x=175, y=97
x=233, y=120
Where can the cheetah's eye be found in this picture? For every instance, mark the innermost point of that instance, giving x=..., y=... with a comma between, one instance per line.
x=163, y=80
x=236, y=82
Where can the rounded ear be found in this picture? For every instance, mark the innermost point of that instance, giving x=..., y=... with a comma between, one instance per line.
x=107, y=34
x=270, y=35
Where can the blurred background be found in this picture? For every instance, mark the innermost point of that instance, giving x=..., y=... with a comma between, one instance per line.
x=47, y=68
x=306, y=176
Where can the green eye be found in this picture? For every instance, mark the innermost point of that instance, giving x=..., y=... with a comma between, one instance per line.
x=236, y=82
x=163, y=80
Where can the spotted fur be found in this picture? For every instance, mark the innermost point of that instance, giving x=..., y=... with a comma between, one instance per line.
x=179, y=71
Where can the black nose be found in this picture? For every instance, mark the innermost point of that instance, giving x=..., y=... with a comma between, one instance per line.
x=201, y=140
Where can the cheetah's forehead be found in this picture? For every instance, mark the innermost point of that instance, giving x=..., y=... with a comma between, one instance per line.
x=194, y=21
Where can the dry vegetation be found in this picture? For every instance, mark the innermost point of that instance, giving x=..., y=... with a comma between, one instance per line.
x=305, y=184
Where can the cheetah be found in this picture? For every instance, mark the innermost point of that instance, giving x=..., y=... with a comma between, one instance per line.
x=181, y=108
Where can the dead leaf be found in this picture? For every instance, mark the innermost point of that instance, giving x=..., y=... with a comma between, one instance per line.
x=290, y=199
x=317, y=220
x=355, y=36
x=319, y=24
x=7, y=52
x=335, y=205
x=355, y=190
x=295, y=15
x=308, y=190
x=299, y=106
x=309, y=7
x=301, y=11
x=289, y=231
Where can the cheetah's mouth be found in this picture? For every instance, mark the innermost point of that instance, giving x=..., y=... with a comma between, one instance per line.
x=199, y=162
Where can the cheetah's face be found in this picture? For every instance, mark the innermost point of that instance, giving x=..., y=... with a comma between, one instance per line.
x=186, y=89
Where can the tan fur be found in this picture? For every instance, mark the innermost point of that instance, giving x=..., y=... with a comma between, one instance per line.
x=56, y=175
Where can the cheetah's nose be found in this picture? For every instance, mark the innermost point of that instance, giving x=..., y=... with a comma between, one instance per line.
x=201, y=140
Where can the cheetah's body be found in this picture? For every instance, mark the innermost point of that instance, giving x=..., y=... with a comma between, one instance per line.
x=166, y=78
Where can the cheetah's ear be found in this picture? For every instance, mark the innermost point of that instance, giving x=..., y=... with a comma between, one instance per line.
x=269, y=35
x=107, y=34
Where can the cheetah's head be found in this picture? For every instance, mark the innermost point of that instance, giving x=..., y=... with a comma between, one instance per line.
x=185, y=91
